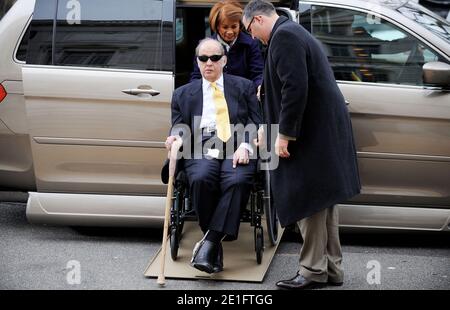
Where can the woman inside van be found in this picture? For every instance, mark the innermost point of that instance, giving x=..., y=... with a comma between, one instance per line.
x=244, y=56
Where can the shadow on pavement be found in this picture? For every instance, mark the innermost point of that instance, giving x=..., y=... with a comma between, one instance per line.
x=419, y=239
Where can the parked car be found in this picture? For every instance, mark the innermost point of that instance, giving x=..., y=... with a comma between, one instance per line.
x=85, y=90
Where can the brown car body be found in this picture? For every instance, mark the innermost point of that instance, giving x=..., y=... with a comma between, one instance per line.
x=87, y=142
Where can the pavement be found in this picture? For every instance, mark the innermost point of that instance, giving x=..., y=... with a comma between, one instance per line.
x=67, y=258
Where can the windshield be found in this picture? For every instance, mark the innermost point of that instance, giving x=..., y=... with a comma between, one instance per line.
x=5, y=5
x=432, y=22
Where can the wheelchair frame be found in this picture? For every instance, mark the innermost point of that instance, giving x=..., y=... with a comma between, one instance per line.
x=260, y=204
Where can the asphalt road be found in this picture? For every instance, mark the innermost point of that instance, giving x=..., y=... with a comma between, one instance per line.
x=40, y=257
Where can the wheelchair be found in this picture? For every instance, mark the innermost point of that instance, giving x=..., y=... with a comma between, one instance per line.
x=260, y=204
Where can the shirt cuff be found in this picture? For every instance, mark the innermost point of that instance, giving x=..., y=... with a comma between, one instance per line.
x=286, y=137
x=248, y=147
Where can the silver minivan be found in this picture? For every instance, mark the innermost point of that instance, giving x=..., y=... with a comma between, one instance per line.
x=85, y=90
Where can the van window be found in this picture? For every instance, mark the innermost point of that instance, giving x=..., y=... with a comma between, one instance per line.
x=364, y=48
x=21, y=53
x=39, y=49
x=134, y=34
x=5, y=5
x=112, y=34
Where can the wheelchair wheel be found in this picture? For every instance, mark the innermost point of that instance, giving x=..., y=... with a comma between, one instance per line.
x=180, y=209
x=174, y=243
x=270, y=212
x=259, y=244
x=177, y=223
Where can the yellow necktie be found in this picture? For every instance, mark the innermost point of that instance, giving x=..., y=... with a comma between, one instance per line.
x=222, y=117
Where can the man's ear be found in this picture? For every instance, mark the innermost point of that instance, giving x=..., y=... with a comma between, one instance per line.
x=224, y=61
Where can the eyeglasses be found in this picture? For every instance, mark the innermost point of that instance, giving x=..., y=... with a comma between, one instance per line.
x=249, y=27
x=214, y=58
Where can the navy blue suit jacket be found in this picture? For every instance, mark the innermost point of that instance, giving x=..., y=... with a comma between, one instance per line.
x=243, y=108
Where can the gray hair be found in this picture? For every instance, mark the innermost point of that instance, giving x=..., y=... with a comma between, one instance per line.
x=258, y=7
x=220, y=46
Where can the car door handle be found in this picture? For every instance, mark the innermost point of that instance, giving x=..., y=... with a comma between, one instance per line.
x=141, y=91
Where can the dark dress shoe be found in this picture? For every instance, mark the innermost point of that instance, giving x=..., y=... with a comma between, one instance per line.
x=218, y=262
x=298, y=283
x=204, y=256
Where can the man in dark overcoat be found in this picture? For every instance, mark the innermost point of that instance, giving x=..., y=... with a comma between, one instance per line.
x=317, y=157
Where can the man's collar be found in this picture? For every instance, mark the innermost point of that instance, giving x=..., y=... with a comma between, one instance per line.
x=219, y=82
x=279, y=21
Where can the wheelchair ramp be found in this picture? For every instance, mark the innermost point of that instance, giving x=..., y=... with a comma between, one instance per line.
x=239, y=257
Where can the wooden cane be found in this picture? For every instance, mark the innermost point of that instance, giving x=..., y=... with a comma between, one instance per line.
x=172, y=166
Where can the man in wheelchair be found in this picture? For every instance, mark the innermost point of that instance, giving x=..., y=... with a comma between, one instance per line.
x=217, y=158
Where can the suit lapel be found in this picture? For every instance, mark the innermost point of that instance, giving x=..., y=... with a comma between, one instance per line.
x=196, y=100
x=231, y=96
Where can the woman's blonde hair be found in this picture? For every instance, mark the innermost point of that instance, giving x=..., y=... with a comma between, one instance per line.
x=229, y=10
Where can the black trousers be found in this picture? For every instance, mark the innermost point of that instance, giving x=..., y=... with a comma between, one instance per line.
x=219, y=192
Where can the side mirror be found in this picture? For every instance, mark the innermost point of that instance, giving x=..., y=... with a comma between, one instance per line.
x=436, y=73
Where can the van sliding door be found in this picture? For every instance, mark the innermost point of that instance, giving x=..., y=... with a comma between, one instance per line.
x=98, y=84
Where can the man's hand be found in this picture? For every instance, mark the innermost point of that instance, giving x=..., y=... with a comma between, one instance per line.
x=258, y=93
x=281, y=147
x=260, y=141
x=241, y=157
x=169, y=142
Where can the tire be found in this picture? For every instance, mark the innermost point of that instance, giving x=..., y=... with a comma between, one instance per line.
x=270, y=212
x=176, y=225
x=174, y=243
x=259, y=244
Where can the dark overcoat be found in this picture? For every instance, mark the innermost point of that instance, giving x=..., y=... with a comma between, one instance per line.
x=302, y=96
x=243, y=59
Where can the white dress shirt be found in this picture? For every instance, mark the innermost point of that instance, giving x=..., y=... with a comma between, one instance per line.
x=209, y=107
